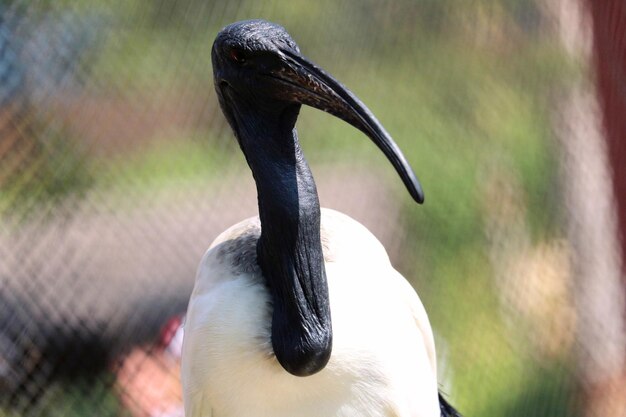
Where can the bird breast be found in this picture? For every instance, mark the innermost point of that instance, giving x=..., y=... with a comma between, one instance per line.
x=382, y=361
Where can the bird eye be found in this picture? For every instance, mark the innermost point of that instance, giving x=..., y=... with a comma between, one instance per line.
x=237, y=56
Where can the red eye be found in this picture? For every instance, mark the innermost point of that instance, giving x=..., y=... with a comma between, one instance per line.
x=237, y=55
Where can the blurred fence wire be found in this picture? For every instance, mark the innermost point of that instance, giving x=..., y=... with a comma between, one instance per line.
x=117, y=170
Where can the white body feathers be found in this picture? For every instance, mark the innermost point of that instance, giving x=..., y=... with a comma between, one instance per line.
x=383, y=358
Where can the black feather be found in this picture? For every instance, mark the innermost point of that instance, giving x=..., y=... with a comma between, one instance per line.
x=446, y=409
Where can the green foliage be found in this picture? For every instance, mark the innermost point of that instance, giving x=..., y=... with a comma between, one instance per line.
x=78, y=399
x=55, y=167
x=169, y=162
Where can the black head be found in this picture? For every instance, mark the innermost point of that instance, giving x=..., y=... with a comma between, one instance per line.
x=247, y=58
x=258, y=69
x=237, y=44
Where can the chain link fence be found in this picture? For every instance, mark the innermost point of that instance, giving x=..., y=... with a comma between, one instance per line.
x=117, y=170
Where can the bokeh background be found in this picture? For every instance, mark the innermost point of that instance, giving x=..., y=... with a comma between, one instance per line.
x=117, y=170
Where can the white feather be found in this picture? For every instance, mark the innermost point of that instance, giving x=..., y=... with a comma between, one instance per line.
x=383, y=358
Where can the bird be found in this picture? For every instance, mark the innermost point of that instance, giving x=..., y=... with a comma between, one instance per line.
x=298, y=311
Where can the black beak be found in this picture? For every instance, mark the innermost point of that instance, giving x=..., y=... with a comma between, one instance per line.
x=308, y=84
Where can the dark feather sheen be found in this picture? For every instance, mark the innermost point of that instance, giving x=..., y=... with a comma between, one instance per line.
x=446, y=409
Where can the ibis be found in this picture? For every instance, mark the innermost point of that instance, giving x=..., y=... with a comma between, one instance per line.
x=298, y=312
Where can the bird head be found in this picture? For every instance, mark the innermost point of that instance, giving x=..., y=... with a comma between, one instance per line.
x=258, y=67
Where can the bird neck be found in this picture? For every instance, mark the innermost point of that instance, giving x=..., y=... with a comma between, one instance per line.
x=289, y=250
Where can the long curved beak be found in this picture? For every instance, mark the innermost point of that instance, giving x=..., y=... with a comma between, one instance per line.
x=308, y=84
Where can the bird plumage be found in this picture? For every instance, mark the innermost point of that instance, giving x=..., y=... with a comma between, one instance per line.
x=299, y=312
x=383, y=361
x=446, y=409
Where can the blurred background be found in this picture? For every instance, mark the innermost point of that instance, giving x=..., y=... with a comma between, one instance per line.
x=117, y=170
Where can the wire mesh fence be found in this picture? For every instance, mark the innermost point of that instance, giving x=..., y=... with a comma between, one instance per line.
x=117, y=170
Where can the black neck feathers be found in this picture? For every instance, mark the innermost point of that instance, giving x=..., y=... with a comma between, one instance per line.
x=289, y=250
